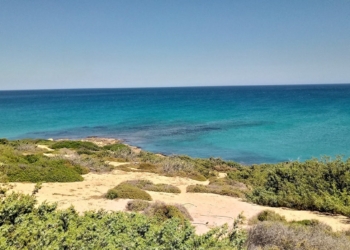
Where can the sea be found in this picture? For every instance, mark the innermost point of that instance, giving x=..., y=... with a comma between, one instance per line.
x=246, y=124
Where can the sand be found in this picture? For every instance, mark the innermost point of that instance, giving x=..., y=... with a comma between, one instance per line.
x=207, y=210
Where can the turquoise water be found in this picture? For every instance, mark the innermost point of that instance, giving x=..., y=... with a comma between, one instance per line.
x=247, y=124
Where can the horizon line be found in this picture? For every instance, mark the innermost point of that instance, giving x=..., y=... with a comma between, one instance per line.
x=191, y=86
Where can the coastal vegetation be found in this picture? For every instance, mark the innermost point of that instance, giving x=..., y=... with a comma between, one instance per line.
x=21, y=165
x=317, y=184
x=272, y=231
x=320, y=185
x=79, y=145
x=25, y=225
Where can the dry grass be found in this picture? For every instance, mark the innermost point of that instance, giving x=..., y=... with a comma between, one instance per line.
x=150, y=186
x=267, y=215
x=278, y=235
x=225, y=187
x=137, y=205
x=161, y=211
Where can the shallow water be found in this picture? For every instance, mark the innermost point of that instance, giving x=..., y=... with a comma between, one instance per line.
x=252, y=124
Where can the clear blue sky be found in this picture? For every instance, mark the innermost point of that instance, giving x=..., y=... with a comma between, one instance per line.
x=88, y=44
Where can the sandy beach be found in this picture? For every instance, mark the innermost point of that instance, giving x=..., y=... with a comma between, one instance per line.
x=207, y=210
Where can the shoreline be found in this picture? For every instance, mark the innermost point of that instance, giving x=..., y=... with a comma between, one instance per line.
x=208, y=210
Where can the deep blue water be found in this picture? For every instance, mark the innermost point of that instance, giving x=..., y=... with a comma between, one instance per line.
x=252, y=124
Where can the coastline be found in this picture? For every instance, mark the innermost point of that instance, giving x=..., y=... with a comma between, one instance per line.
x=208, y=210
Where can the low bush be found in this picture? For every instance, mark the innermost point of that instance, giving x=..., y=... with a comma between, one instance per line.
x=117, y=147
x=56, y=172
x=119, y=150
x=14, y=206
x=268, y=215
x=161, y=212
x=150, y=186
x=137, y=205
x=36, y=168
x=147, y=167
x=150, y=157
x=4, y=141
x=126, y=191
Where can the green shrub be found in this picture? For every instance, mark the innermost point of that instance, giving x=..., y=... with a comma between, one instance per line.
x=119, y=150
x=36, y=168
x=32, y=158
x=29, y=173
x=267, y=215
x=137, y=205
x=126, y=191
x=25, y=226
x=320, y=185
x=117, y=147
x=4, y=141
x=14, y=206
x=82, y=145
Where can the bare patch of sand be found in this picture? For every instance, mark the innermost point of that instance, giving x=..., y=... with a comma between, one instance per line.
x=222, y=175
x=49, y=155
x=116, y=164
x=44, y=147
x=101, y=141
x=207, y=210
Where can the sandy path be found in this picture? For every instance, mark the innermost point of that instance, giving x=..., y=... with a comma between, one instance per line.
x=207, y=210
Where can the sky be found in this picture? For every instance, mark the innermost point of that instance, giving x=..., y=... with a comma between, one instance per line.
x=51, y=44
